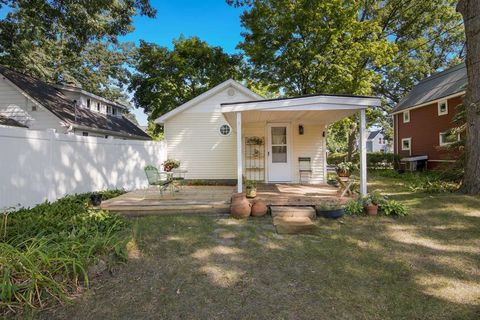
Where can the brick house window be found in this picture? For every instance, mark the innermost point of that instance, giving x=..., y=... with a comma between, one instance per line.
x=406, y=116
x=406, y=144
x=442, y=107
x=448, y=137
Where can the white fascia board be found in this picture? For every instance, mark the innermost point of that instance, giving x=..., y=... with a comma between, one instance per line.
x=206, y=95
x=306, y=103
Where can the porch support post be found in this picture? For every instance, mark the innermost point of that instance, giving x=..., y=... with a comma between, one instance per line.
x=363, y=154
x=239, y=153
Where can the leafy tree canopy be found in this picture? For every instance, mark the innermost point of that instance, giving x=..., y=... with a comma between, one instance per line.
x=168, y=78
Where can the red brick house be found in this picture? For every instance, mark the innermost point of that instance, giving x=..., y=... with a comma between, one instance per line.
x=422, y=120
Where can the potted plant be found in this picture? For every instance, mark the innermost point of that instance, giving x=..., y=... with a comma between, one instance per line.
x=345, y=169
x=251, y=188
x=372, y=201
x=330, y=209
x=170, y=164
x=96, y=198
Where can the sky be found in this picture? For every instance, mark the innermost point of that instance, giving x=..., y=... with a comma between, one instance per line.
x=212, y=21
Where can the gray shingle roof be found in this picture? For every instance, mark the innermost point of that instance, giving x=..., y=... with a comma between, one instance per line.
x=373, y=134
x=5, y=121
x=56, y=102
x=437, y=86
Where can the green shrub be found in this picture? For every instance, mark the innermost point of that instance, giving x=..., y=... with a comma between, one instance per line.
x=354, y=207
x=434, y=186
x=382, y=160
x=393, y=208
x=46, y=250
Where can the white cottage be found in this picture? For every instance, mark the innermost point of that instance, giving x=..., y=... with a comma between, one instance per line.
x=231, y=133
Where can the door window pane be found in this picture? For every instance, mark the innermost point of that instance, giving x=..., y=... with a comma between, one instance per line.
x=279, y=135
x=279, y=154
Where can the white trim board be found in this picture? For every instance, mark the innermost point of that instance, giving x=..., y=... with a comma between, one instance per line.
x=206, y=95
x=305, y=104
x=461, y=93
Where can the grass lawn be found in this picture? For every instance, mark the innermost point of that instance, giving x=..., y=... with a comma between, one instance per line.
x=424, y=266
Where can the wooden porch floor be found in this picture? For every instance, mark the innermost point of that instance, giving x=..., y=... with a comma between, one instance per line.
x=215, y=199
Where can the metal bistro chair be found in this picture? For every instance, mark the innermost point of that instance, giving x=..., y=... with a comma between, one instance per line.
x=162, y=180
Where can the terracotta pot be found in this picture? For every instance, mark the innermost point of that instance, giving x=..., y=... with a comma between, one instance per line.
x=240, y=207
x=259, y=208
x=372, y=209
x=237, y=196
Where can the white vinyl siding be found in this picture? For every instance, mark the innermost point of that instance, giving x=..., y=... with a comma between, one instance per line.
x=193, y=137
x=13, y=103
x=310, y=144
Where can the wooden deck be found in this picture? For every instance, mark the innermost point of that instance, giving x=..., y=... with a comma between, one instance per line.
x=215, y=199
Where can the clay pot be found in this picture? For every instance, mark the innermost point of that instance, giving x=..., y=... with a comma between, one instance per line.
x=240, y=207
x=372, y=209
x=259, y=208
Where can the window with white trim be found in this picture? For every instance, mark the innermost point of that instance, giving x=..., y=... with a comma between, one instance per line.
x=448, y=137
x=442, y=107
x=406, y=144
x=406, y=116
x=225, y=130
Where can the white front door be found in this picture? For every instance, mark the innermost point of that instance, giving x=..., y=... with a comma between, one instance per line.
x=278, y=153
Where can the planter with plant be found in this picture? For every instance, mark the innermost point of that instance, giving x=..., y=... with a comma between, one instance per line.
x=170, y=164
x=96, y=199
x=330, y=209
x=345, y=169
x=372, y=201
x=251, y=188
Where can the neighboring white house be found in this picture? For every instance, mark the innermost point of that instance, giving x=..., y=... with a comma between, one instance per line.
x=376, y=142
x=229, y=132
x=38, y=105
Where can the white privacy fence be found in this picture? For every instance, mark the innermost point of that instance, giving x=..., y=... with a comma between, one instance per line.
x=43, y=165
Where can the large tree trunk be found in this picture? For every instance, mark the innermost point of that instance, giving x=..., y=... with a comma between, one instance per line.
x=470, y=10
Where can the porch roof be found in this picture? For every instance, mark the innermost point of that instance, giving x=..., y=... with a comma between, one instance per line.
x=320, y=108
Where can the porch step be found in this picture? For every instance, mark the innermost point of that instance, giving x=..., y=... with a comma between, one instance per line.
x=293, y=220
x=293, y=225
x=291, y=211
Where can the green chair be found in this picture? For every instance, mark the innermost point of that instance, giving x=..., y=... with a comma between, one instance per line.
x=156, y=178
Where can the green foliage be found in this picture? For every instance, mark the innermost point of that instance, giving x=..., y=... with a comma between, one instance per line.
x=251, y=184
x=434, y=186
x=393, y=208
x=345, y=168
x=374, y=198
x=382, y=160
x=336, y=158
x=46, y=250
x=354, y=207
x=166, y=78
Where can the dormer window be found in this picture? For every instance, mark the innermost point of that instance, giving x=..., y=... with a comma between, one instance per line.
x=406, y=116
x=442, y=107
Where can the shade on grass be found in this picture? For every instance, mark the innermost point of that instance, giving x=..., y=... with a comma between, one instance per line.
x=424, y=266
